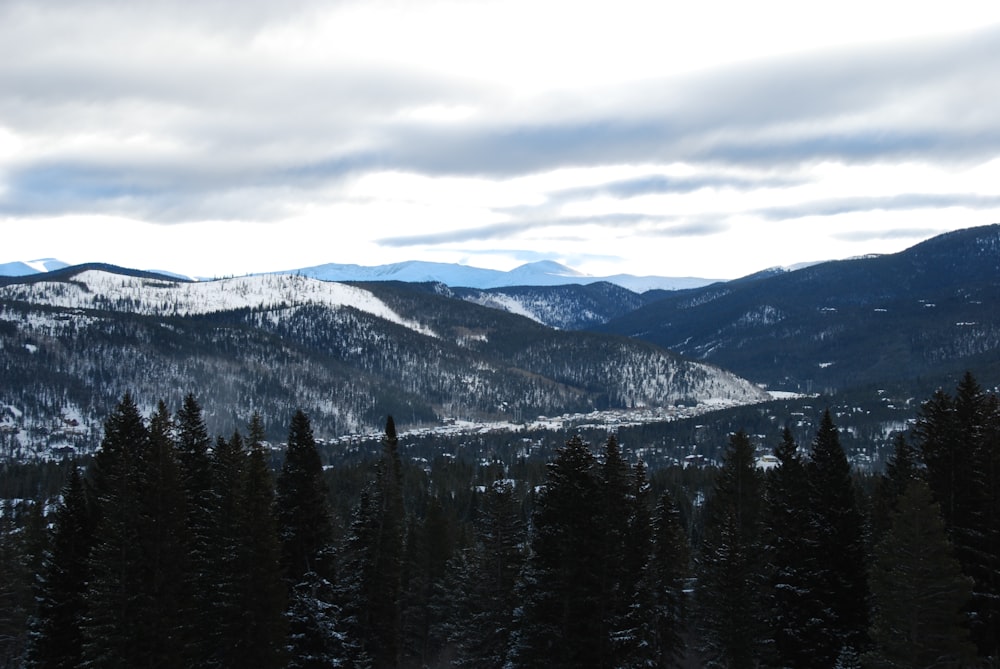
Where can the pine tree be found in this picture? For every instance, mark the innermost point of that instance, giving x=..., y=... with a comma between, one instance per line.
x=480, y=583
x=621, y=555
x=137, y=564
x=958, y=442
x=306, y=534
x=387, y=557
x=112, y=629
x=165, y=542
x=56, y=641
x=228, y=471
x=261, y=595
x=193, y=449
x=791, y=601
x=428, y=549
x=664, y=581
x=561, y=623
x=918, y=590
x=730, y=569
x=837, y=526
x=900, y=469
x=303, y=515
x=22, y=546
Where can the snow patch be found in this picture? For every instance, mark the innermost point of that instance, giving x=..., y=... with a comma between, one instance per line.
x=95, y=289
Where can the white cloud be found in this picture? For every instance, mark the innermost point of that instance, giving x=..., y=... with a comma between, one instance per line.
x=722, y=136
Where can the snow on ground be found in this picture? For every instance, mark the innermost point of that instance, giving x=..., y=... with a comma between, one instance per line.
x=95, y=289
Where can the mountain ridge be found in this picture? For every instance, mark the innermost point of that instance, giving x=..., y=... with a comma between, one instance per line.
x=539, y=273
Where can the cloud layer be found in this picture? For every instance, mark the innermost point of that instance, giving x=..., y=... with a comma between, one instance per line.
x=402, y=131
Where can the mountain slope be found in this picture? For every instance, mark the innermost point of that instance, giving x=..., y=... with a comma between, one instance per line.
x=925, y=311
x=346, y=354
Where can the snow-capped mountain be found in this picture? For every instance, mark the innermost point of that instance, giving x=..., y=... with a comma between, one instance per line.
x=29, y=267
x=541, y=273
x=95, y=289
x=75, y=340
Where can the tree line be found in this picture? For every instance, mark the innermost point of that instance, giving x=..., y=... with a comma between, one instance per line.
x=176, y=550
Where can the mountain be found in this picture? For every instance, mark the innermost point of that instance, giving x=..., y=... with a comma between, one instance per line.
x=26, y=268
x=75, y=340
x=923, y=314
x=542, y=273
x=567, y=307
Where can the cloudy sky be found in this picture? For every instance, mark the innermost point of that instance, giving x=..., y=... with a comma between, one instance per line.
x=707, y=139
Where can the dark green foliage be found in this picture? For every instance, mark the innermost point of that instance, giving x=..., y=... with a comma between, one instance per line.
x=136, y=564
x=730, y=565
x=900, y=469
x=303, y=517
x=56, y=641
x=839, y=581
x=22, y=546
x=918, y=590
x=306, y=533
x=663, y=620
x=958, y=441
x=792, y=604
x=385, y=585
x=193, y=446
x=260, y=596
x=480, y=586
x=561, y=623
x=429, y=547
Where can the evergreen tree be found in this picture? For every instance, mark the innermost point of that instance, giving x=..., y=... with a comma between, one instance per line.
x=56, y=641
x=22, y=546
x=427, y=552
x=228, y=470
x=560, y=623
x=164, y=544
x=664, y=581
x=306, y=534
x=387, y=558
x=303, y=516
x=261, y=593
x=480, y=582
x=619, y=557
x=958, y=443
x=730, y=570
x=918, y=590
x=193, y=449
x=900, y=469
x=112, y=629
x=789, y=551
x=837, y=527
x=137, y=562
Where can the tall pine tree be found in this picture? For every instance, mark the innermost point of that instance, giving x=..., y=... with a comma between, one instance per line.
x=561, y=623
x=790, y=548
x=837, y=526
x=730, y=568
x=56, y=641
x=918, y=590
x=306, y=533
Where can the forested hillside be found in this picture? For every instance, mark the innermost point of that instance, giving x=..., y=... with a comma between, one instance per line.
x=173, y=548
x=922, y=315
x=349, y=355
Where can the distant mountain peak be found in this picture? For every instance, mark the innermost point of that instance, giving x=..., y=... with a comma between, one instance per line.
x=548, y=267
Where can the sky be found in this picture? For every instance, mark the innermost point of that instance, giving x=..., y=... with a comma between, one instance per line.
x=710, y=139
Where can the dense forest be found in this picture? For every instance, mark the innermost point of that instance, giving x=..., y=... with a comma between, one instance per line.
x=172, y=548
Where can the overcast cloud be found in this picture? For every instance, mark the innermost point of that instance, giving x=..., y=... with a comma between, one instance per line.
x=230, y=137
